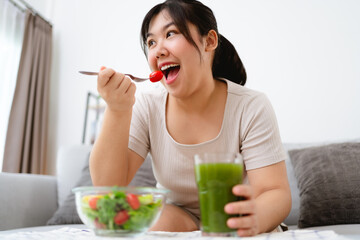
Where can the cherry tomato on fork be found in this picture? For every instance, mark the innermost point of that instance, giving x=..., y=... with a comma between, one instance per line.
x=156, y=76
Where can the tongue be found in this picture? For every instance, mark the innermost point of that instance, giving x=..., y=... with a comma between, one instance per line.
x=172, y=74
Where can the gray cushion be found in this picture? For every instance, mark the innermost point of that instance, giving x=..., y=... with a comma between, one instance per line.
x=293, y=216
x=328, y=179
x=67, y=214
x=144, y=177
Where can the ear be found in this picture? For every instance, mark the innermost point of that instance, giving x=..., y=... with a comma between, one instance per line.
x=211, y=41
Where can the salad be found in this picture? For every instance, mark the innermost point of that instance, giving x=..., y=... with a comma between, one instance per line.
x=119, y=210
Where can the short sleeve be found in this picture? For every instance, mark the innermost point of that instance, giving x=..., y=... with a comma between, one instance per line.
x=260, y=138
x=139, y=129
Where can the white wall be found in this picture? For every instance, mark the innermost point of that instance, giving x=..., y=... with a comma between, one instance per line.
x=43, y=7
x=305, y=55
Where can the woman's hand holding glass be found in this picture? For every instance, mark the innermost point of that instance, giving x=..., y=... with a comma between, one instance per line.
x=116, y=89
x=247, y=224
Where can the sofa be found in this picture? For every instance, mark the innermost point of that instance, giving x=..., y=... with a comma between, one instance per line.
x=32, y=202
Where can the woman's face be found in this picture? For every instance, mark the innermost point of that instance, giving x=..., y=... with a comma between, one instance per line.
x=170, y=52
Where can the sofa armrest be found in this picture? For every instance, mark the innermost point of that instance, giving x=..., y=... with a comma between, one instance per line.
x=69, y=164
x=26, y=200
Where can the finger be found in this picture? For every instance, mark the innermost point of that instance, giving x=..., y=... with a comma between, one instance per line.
x=247, y=232
x=132, y=89
x=243, y=191
x=104, y=76
x=115, y=81
x=123, y=86
x=240, y=207
x=243, y=222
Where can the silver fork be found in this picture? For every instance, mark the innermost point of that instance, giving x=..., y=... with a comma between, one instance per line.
x=136, y=79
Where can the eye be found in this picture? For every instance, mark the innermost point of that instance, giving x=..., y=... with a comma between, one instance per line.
x=170, y=33
x=150, y=43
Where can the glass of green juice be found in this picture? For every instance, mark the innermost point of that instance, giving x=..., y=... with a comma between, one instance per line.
x=216, y=174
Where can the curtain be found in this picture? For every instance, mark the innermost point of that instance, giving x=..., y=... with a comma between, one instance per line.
x=25, y=146
x=11, y=37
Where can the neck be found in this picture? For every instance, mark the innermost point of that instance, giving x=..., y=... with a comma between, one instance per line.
x=201, y=99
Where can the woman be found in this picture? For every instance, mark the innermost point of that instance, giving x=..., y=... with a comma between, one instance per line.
x=204, y=107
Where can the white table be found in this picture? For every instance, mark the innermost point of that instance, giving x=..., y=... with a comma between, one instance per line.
x=68, y=233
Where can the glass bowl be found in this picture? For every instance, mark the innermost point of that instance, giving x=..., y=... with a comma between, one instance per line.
x=119, y=211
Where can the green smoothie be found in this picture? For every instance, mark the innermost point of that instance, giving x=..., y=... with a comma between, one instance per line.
x=215, y=182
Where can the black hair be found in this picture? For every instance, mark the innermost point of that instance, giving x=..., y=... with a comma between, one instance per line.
x=226, y=63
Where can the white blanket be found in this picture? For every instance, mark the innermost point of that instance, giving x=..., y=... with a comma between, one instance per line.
x=68, y=233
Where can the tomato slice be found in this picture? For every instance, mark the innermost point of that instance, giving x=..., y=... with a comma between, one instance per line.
x=121, y=217
x=93, y=203
x=156, y=76
x=133, y=201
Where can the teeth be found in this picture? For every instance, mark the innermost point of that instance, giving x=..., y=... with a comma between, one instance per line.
x=163, y=68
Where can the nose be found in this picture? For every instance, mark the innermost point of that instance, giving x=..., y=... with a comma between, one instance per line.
x=160, y=55
x=161, y=50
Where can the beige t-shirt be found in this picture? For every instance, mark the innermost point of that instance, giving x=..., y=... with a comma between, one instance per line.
x=249, y=126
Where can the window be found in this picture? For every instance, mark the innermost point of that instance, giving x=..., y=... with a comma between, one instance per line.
x=11, y=35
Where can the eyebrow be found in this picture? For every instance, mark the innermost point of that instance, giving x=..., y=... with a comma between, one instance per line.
x=163, y=28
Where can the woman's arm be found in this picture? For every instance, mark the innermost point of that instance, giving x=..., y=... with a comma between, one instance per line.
x=267, y=203
x=111, y=162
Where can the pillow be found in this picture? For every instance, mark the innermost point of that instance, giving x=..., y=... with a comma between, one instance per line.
x=67, y=214
x=328, y=179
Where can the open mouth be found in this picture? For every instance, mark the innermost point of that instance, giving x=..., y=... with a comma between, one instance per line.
x=170, y=71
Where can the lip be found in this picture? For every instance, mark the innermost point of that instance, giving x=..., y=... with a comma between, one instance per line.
x=165, y=63
x=166, y=80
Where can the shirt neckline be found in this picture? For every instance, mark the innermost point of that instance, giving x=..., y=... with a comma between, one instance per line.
x=202, y=143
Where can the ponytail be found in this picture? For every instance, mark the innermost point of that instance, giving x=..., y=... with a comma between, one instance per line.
x=227, y=63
